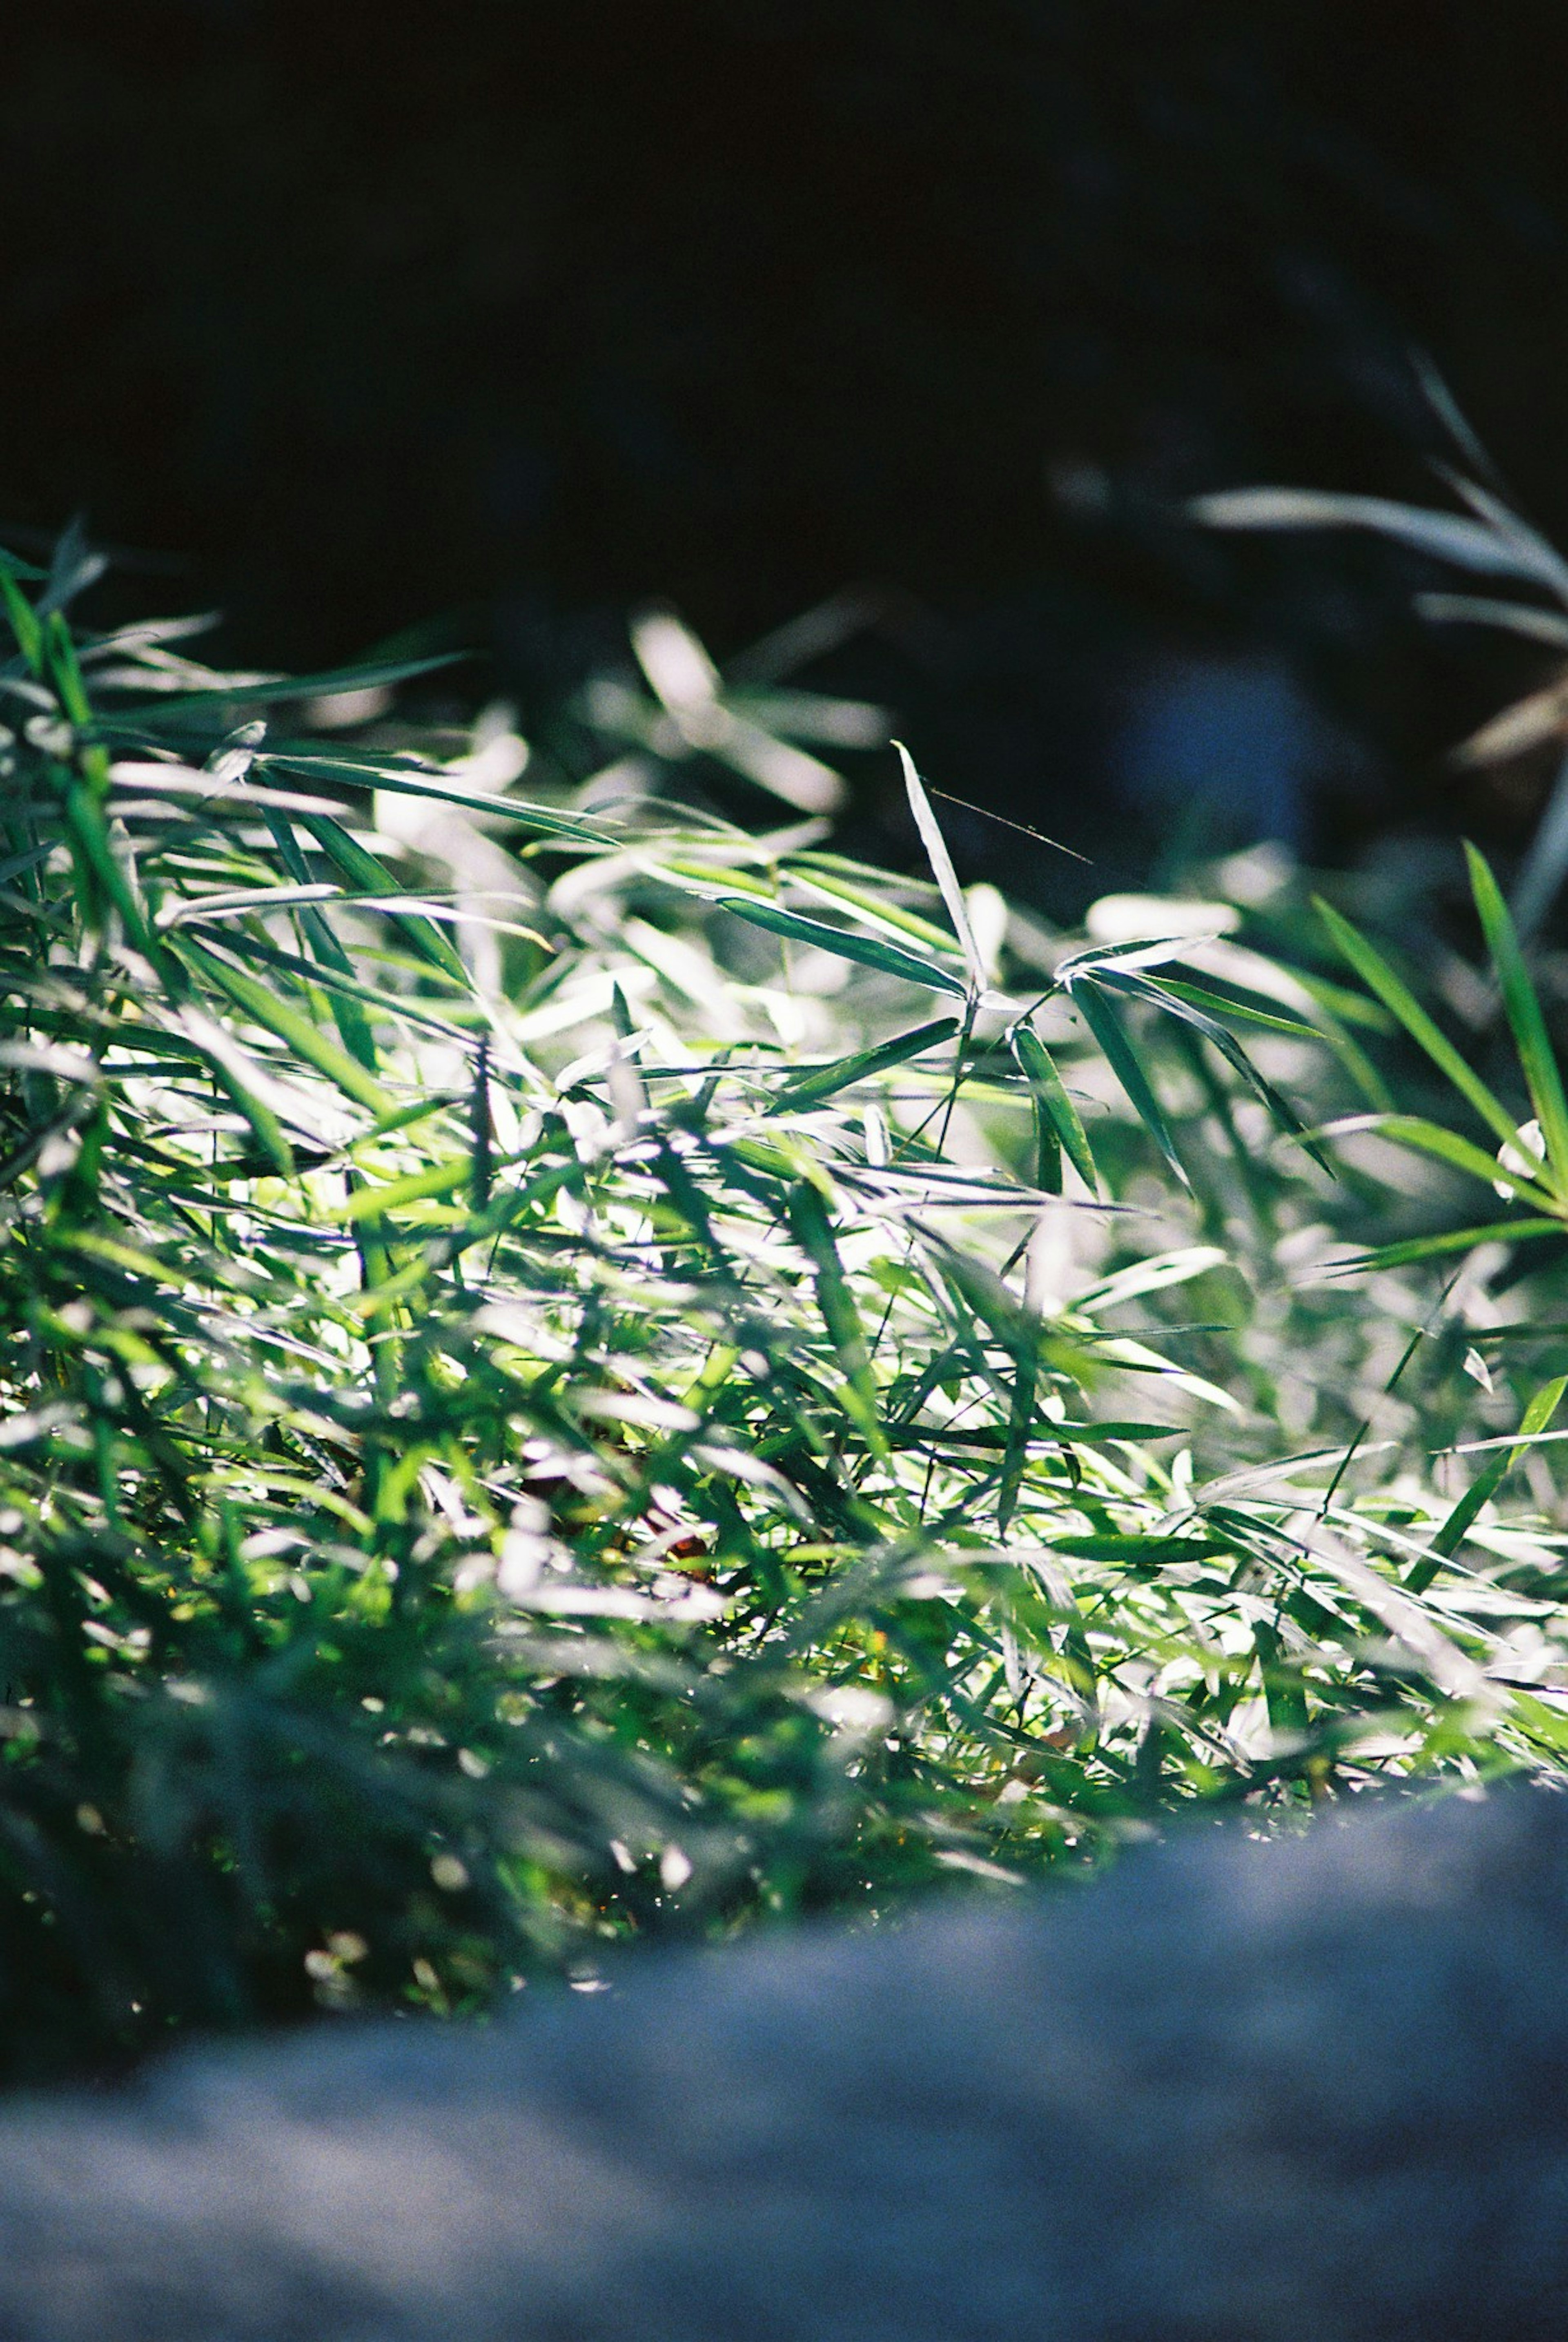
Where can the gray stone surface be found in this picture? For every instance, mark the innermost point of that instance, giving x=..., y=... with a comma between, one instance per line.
x=1304, y=2092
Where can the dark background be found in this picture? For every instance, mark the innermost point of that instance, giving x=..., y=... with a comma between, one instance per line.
x=340, y=317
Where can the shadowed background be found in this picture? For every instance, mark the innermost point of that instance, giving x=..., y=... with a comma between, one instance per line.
x=519, y=315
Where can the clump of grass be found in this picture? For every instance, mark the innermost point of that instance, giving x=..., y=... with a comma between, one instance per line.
x=579, y=1373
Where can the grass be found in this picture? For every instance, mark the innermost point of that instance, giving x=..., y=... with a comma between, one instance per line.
x=574, y=1370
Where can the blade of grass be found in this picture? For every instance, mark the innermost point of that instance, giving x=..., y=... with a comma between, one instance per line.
x=942, y=868
x=1521, y=1006
x=364, y=870
x=279, y=1016
x=1432, y=1138
x=869, y=951
x=1051, y=1101
x=1123, y=1059
x=1397, y=998
x=1484, y=1486
x=823, y=1082
x=1414, y=1249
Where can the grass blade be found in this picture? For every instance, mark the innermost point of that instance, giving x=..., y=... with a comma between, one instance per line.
x=1457, y=1527
x=1446, y=1146
x=942, y=868
x=823, y=1082
x=1414, y=1249
x=1521, y=1006
x=1380, y=978
x=1123, y=1059
x=279, y=1016
x=1050, y=1100
x=1443, y=536
x=365, y=871
x=869, y=951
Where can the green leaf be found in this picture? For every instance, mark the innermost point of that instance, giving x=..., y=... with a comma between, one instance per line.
x=1173, y=1004
x=231, y=1067
x=1055, y=1114
x=813, y=1232
x=1522, y=1006
x=98, y=867
x=822, y=1082
x=942, y=868
x=274, y=688
x=279, y=1016
x=869, y=951
x=1222, y=1003
x=369, y=1203
x=811, y=874
x=24, y=622
x=352, y=1024
x=1380, y=978
x=1153, y=1552
x=1405, y=1255
x=364, y=870
x=1123, y=1059
x=1456, y=1527
x=1432, y=1138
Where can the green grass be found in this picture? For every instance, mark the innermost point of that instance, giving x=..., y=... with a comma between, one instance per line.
x=573, y=1370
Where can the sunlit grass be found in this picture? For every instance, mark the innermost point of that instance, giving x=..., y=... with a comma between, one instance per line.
x=574, y=1370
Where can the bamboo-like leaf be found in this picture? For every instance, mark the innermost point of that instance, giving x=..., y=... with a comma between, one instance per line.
x=823, y=1082
x=364, y=870
x=876, y=909
x=1414, y=1249
x=869, y=951
x=348, y=1014
x=1175, y=1004
x=374, y=1203
x=1054, y=1110
x=1021, y=1413
x=1149, y=1552
x=942, y=869
x=813, y=1233
x=1522, y=1007
x=1460, y=1521
x=99, y=866
x=1447, y=1147
x=279, y=1016
x=1397, y=998
x=1123, y=1059
x=243, y=1082
x=1443, y=536
x=1222, y=1003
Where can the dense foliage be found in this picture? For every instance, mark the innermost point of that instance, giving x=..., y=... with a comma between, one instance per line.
x=571, y=1370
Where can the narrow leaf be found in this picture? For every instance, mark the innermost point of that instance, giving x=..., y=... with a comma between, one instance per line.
x=1443, y=536
x=869, y=951
x=1380, y=978
x=1051, y=1099
x=1448, y=1147
x=1123, y=1059
x=363, y=869
x=942, y=868
x=279, y=1016
x=1413, y=1249
x=1520, y=1000
x=813, y=1232
x=1457, y=1527
x=822, y=1082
